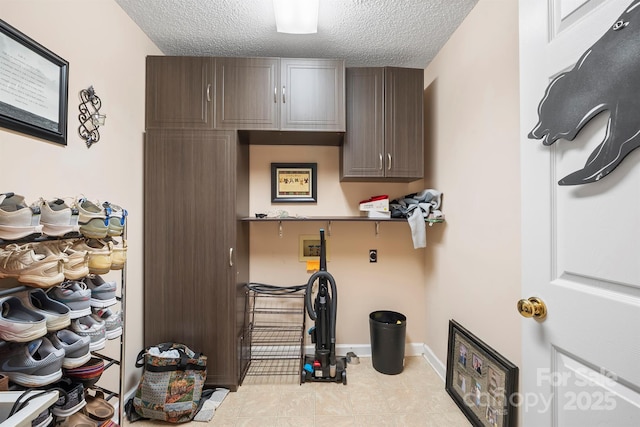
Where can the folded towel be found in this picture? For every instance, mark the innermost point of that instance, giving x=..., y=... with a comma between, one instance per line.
x=209, y=407
x=418, y=229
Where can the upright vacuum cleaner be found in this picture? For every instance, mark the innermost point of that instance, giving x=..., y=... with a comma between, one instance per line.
x=323, y=365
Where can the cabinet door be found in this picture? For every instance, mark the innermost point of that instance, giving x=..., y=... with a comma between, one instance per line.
x=312, y=94
x=247, y=93
x=363, y=148
x=404, y=141
x=189, y=274
x=179, y=92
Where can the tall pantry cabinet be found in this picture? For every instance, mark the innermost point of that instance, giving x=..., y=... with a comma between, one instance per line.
x=196, y=178
x=196, y=248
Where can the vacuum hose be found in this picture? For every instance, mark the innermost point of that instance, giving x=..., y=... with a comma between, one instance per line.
x=334, y=306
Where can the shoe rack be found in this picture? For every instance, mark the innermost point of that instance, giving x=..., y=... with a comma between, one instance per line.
x=10, y=286
x=276, y=334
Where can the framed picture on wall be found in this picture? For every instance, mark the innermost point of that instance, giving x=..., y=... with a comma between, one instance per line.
x=294, y=183
x=480, y=380
x=33, y=87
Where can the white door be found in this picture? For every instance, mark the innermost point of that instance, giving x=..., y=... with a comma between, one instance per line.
x=581, y=244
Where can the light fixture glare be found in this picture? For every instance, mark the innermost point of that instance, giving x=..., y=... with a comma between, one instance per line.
x=296, y=16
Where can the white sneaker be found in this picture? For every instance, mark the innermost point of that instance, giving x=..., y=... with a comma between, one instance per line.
x=76, y=264
x=17, y=220
x=117, y=218
x=29, y=267
x=94, y=220
x=58, y=218
x=119, y=255
x=100, y=254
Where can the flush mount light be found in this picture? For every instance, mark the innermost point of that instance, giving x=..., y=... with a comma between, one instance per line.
x=296, y=16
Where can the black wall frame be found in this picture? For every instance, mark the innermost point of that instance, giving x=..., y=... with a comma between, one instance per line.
x=26, y=88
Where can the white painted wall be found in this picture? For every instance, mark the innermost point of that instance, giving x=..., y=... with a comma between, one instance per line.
x=472, y=154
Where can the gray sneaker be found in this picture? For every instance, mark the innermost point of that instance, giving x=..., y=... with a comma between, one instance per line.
x=55, y=313
x=87, y=326
x=34, y=364
x=76, y=348
x=74, y=400
x=112, y=321
x=74, y=295
x=18, y=323
x=103, y=294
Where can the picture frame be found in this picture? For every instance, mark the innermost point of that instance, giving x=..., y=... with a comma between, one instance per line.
x=34, y=87
x=294, y=182
x=480, y=380
x=309, y=247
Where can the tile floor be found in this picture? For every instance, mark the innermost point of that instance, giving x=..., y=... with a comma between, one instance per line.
x=416, y=397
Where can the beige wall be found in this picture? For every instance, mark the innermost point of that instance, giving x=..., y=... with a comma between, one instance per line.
x=395, y=282
x=105, y=49
x=470, y=269
x=472, y=134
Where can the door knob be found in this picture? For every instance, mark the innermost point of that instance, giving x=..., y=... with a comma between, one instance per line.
x=532, y=307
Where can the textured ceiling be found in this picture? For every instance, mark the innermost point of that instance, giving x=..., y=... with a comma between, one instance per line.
x=404, y=33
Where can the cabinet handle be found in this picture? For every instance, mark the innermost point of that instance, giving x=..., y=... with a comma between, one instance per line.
x=275, y=94
x=284, y=101
x=230, y=257
x=389, y=164
x=209, y=92
x=380, y=157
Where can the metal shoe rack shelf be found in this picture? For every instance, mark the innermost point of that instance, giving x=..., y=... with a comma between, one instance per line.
x=275, y=333
x=14, y=287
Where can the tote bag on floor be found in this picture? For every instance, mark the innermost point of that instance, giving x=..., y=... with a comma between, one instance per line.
x=171, y=385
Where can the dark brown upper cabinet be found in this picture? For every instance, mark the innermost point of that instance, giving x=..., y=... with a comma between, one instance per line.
x=384, y=139
x=280, y=94
x=273, y=94
x=312, y=94
x=247, y=93
x=180, y=92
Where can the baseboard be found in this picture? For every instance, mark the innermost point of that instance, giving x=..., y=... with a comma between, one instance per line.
x=364, y=350
x=435, y=363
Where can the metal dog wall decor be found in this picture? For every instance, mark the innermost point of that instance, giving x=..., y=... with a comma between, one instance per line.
x=605, y=78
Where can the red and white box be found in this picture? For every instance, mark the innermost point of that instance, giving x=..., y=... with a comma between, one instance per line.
x=376, y=207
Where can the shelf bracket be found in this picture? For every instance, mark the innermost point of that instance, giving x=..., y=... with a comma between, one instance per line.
x=280, y=229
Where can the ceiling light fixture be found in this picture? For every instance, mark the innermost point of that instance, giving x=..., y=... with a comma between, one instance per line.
x=296, y=16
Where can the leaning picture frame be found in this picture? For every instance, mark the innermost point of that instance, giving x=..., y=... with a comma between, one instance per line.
x=294, y=182
x=34, y=85
x=480, y=381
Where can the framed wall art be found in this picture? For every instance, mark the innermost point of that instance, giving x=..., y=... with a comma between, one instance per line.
x=33, y=87
x=294, y=183
x=309, y=247
x=481, y=381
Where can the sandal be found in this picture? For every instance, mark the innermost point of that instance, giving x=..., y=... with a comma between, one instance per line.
x=97, y=407
x=78, y=420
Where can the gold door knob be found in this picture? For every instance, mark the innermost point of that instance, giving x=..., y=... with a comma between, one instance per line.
x=532, y=307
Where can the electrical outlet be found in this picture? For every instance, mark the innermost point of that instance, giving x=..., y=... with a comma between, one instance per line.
x=373, y=255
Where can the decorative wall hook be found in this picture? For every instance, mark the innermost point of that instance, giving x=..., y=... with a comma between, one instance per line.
x=90, y=117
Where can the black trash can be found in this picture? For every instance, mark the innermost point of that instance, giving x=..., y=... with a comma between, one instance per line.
x=388, y=330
